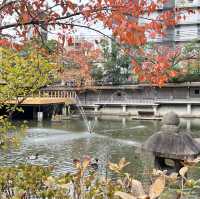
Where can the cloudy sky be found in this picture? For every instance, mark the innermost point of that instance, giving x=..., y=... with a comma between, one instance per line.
x=80, y=31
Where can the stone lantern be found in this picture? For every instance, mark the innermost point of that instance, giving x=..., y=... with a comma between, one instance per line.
x=171, y=146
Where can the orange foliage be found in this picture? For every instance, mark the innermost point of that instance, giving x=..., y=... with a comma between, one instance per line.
x=7, y=43
x=80, y=60
x=157, y=67
x=120, y=16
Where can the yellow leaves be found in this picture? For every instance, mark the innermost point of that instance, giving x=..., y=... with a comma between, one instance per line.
x=64, y=186
x=157, y=172
x=24, y=71
x=190, y=183
x=172, y=177
x=157, y=187
x=82, y=166
x=124, y=195
x=183, y=171
x=122, y=163
x=77, y=164
x=87, y=186
x=118, y=167
x=85, y=163
x=137, y=189
x=191, y=162
x=50, y=181
x=114, y=167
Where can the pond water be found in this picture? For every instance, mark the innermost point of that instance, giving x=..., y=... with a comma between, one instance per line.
x=58, y=143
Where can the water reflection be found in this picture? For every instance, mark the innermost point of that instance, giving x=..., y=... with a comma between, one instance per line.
x=192, y=126
x=123, y=121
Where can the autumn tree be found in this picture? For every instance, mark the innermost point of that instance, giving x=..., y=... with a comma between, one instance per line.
x=76, y=60
x=192, y=52
x=23, y=72
x=24, y=69
x=189, y=61
x=131, y=22
x=166, y=63
x=158, y=63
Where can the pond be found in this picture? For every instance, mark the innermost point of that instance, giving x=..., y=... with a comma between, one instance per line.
x=58, y=143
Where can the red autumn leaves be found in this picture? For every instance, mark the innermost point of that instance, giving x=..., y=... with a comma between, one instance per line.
x=81, y=55
x=123, y=18
x=158, y=66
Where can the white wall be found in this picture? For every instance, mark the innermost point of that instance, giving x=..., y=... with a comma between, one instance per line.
x=187, y=3
x=180, y=110
x=184, y=33
x=187, y=29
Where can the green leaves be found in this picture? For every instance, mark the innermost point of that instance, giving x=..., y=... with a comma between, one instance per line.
x=23, y=75
x=116, y=67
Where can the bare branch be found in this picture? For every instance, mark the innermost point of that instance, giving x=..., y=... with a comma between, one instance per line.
x=68, y=16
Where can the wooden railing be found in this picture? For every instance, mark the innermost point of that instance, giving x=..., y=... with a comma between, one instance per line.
x=58, y=94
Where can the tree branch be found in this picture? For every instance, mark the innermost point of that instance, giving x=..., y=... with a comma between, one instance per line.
x=40, y=22
x=5, y=4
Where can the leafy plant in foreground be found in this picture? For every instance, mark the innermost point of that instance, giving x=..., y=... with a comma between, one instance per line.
x=31, y=181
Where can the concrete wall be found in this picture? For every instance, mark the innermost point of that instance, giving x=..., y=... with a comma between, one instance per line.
x=180, y=93
x=179, y=109
x=123, y=96
x=138, y=94
x=137, y=109
x=195, y=110
x=113, y=110
x=133, y=110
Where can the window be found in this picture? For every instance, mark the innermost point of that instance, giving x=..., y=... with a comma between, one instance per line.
x=196, y=91
x=178, y=32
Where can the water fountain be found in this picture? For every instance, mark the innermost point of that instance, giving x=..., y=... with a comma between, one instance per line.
x=88, y=124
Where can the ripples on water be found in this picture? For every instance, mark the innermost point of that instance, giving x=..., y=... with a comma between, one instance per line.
x=59, y=143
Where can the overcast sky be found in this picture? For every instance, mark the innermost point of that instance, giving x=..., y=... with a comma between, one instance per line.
x=80, y=31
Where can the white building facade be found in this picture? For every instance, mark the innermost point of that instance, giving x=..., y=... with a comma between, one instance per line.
x=188, y=27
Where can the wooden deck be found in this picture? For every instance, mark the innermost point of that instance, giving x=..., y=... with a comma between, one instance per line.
x=44, y=101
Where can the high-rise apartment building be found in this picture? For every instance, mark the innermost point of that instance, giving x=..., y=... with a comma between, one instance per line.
x=188, y=28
